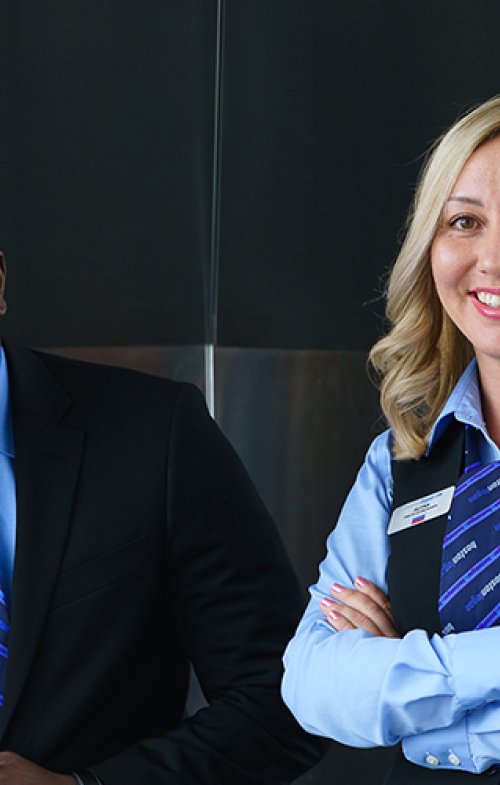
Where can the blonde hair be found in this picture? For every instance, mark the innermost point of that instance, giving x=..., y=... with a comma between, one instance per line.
x=419, y=361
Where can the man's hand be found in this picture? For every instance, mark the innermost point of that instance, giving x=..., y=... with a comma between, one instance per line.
x=15, y=770
x=364, y=607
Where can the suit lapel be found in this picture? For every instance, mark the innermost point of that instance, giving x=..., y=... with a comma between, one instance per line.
x=47, y=461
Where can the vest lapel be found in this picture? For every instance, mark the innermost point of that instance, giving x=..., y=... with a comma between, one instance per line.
x=415, y=562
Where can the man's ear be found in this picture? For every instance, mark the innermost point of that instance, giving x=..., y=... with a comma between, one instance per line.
x=3, y=273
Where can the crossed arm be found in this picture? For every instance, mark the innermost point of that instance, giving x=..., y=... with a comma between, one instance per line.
x=436, y=696
x=364, y=607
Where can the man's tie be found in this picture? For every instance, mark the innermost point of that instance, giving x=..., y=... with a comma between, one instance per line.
x=4, y=634
x=470, y=572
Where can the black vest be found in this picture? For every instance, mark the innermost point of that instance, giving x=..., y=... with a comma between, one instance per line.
x=413, y=575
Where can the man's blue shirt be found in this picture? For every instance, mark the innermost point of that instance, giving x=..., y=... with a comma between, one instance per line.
x=7, y=484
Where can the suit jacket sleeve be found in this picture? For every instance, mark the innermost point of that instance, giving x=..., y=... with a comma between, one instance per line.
x=233, y=601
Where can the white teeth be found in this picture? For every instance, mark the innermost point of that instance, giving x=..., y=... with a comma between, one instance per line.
x=493, y=300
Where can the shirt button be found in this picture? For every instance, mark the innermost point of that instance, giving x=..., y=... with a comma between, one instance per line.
x=454, y=759
x=432, y=760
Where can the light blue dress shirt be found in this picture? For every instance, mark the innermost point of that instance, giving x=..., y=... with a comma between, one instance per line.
x=7, y=484
x=440, y=696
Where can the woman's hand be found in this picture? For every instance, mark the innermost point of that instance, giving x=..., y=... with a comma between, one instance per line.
x=364, y=607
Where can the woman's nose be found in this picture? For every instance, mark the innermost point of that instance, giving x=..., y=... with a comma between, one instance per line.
x=489, y=258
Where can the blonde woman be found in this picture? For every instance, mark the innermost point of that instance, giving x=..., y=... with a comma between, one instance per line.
x=421, y=526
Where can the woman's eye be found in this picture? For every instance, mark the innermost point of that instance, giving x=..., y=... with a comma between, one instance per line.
x=464, y=222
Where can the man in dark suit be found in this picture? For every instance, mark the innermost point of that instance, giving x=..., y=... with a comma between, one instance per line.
x=140, y=545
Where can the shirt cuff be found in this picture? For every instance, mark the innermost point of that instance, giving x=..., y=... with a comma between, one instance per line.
x=476, y=677
x=443, y=748
x=86, y=777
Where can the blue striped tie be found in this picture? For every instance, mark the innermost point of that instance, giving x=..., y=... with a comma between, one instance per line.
x=4, y=634
x=470, y=570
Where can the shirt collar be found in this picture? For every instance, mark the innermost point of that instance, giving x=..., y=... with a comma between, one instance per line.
x=6, y=431
x=464, y=404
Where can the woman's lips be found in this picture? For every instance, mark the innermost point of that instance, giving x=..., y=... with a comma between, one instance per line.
x=487, y=302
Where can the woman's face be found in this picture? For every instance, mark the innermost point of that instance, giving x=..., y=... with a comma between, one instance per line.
x=465, y=253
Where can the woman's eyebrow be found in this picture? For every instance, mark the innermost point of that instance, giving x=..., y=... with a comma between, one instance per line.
x=467, y=199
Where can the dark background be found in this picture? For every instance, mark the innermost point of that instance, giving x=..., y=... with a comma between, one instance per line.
x=177, y=174
x=106, y=146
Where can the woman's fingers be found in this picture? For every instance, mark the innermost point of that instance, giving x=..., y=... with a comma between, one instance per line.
x=377, y=595
x=342, y=617
x=364, y=607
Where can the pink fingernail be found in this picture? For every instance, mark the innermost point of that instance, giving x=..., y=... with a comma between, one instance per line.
x=326, y=602
x=361, y=582
x=337, y=587
x=333, y=615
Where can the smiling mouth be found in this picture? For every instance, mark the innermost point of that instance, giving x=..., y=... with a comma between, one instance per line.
x=487, y=298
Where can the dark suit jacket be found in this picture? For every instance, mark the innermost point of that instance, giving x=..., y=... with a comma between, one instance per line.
x=142, y=545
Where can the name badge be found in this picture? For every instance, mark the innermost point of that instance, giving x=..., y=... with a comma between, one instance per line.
x=421, y=510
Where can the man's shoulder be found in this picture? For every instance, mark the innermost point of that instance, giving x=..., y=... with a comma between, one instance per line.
x=84, y=371
x=94, y=386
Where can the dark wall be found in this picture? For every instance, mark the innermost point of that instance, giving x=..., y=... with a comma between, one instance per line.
x=106, y=153
x=328, y=107
x=106, y=141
